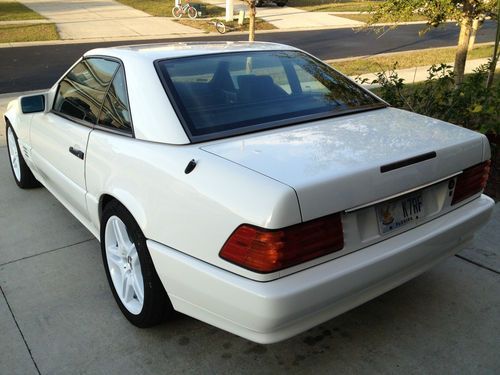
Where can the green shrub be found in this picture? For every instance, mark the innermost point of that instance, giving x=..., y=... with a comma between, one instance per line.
x=471, y=105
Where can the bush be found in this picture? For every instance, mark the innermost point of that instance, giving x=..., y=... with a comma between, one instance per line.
x=471, y=105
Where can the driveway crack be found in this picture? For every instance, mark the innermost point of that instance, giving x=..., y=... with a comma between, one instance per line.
x=19, y=329
x=46, y=252
x=478, y=264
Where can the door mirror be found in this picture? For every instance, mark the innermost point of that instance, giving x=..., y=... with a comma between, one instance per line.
x=32, y=104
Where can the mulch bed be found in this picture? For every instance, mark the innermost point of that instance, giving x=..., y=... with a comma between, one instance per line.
x=493, y=187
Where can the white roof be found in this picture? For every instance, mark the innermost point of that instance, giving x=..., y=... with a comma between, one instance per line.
x=155, y=51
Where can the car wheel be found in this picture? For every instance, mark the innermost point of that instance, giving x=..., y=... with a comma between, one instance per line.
x=22, y=173
x=129, y=268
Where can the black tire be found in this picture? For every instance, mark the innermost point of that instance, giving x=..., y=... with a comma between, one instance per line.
x=156, y=306
x=26, y=179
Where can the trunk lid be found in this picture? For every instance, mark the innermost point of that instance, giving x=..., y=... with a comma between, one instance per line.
x=335, y=164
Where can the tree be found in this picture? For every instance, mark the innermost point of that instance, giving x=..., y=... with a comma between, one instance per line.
x=251, y=21
x=496, y=52
x=465, y=12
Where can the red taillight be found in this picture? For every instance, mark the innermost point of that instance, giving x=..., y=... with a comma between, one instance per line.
x=471, y=181
x=263, y=250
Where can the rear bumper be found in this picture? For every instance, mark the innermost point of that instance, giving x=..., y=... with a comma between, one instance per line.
x=268, y=312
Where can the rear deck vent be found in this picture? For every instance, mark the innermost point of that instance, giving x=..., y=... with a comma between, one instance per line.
x=407, y=162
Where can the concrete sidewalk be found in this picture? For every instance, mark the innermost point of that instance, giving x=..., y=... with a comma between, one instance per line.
x=58, y=316
x=92, y=19
x=288, y=18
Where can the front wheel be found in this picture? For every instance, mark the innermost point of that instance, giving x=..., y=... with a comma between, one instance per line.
x=220, y=27
x=192, y=13
x=129, y=268
x=177, y=11
x=22, y=173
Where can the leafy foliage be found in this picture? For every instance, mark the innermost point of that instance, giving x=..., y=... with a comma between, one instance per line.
x=435, y=11
x=472, y=105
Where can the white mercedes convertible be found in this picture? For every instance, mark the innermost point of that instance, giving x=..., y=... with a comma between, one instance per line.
x=249, y=186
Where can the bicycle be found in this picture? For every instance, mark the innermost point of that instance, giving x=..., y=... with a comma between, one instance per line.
x=179, y=10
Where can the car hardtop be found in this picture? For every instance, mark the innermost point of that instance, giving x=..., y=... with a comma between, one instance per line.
x=154, y=51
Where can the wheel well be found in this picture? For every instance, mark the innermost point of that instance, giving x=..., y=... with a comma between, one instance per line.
x=104, y=201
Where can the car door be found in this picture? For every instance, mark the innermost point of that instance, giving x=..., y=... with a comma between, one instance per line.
x=59, y=137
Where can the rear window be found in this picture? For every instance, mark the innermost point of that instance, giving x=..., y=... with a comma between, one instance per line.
x=235, y=93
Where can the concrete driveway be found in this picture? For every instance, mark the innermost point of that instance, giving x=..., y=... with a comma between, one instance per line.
x=57, y=314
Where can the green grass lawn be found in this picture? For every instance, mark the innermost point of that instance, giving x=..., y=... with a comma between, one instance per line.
x=406, y=60
x=14, y=11
x=333, y=6
x=28, y=32
x=163, y=8
x=365, y=17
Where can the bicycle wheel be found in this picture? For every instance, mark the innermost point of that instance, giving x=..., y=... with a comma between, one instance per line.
x=220, y=27
x=192, y=12
x=177, y=11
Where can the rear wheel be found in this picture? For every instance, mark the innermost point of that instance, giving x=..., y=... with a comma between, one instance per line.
x=129, y=268
x=177, y=12
x=192, y=13
x=220, y=27
x=22, y=174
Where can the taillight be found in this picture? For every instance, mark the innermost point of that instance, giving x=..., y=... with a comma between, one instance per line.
x=471, y=181
x=263, y=250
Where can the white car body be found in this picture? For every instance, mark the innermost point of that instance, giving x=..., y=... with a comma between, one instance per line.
x=271, y=179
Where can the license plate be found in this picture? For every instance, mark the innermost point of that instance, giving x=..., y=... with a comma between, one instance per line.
x=399, y=213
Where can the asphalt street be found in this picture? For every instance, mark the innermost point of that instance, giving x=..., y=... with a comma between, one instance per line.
x=31, y=68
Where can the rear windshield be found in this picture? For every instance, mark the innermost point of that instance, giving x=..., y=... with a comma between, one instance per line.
x=234, y=93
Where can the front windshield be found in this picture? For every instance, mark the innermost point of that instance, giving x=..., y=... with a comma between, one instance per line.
x=235, y=93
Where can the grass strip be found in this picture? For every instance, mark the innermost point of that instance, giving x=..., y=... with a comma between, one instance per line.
x=208, y=26
x=365, y=17
x=163, y=8
x=333, y=6
x=28, y=32
x=427, y=57
x=14, y=11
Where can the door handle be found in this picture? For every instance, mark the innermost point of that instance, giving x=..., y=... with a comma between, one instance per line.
x=79, y=154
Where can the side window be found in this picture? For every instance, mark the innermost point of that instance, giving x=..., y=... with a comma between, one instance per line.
x=115, y=112
x=81, y=92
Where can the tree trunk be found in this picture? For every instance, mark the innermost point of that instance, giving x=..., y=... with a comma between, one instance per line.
x=475, y=26
x=461, y=54
x=494, y=59
x=251, y=24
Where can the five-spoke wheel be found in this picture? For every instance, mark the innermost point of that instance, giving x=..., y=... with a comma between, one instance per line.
x=129, y=268
x=22, y=173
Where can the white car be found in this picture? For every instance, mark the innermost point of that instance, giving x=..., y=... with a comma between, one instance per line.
x=247, y=185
